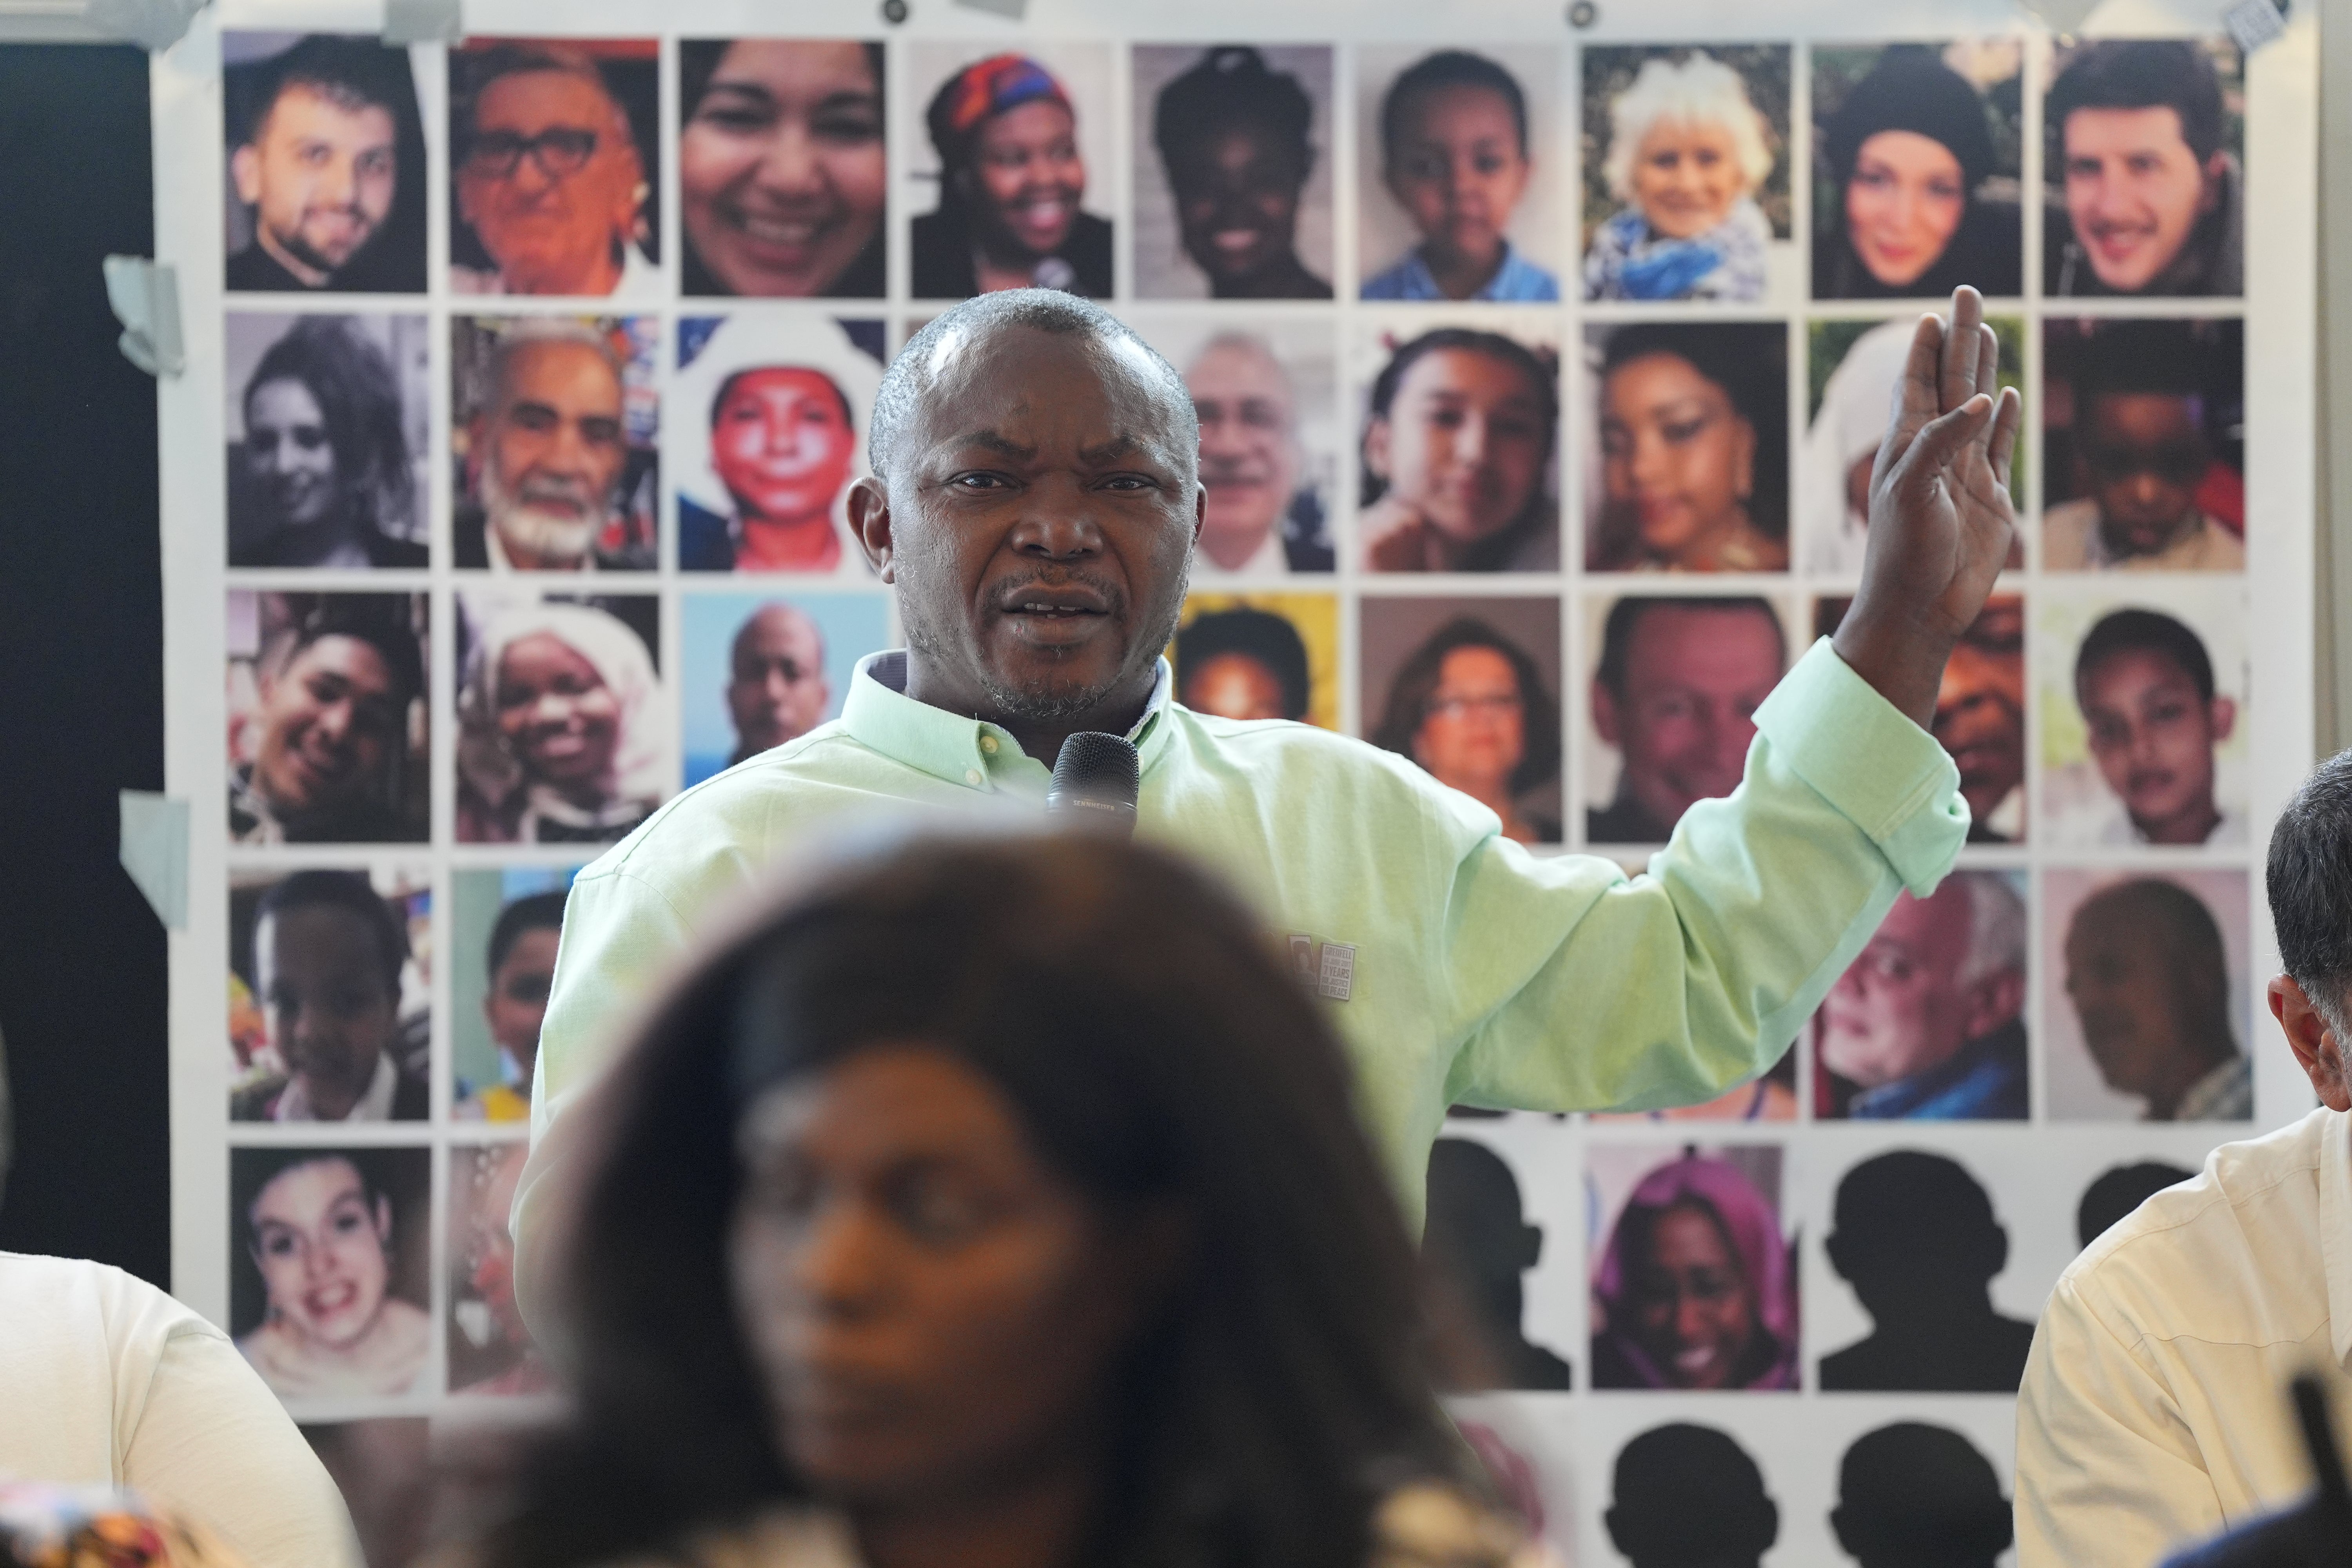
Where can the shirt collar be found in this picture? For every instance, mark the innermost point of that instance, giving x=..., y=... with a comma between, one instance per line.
x=969, y=751
x=2336, y=1228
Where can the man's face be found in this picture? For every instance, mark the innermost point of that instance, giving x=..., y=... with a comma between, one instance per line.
x=1980, y=707
x=1029, y=176
x=332, y=1016
x=776, y=690
x=2145, y=452
x=328, y=720
x=516, y=1003
x=1694, y=679
x=1249, y=445
x=2134, y=190
x=1900, y=1008
x=1039, y=519
x=320, y=177
x=551, y=232
x=2119, y=976
x=553, y=449
x=287, y=454
x=1237, y=200
x=2153, y=737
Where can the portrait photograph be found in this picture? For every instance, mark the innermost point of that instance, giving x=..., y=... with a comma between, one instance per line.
x=1852, y=366
x=2143, y=436
x=1685, y=192
x=756, y=670
x=2146, y=996
x=1008, y=169
x=325, y=178
x=1233, y=170
x=1260, y=655
x=1458, y=429
x=490, y=1351
x=555, y=167
x=1685, y=449
x=565, y=734
x=1459, y=191
x=1469, y=689
x=1980, y=719
x=1483, y=1240
x=330, y=1269
x=554, y=442
x=2143, y=168
x=329, y=426
x=1671, y=709
x=330, y=995
x=503, y=926
x=783, y=168
x=1267, y=394
x=767, y=432
x=1918, y=156
x=328, y=740
x=2145, y=738
x=1701, y=1224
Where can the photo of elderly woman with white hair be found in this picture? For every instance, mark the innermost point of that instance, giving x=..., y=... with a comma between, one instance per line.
x=773, y=428
x=1684, y=152
x=565, y=729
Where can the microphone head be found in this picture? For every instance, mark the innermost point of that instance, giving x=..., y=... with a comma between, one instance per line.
x=1094, y=782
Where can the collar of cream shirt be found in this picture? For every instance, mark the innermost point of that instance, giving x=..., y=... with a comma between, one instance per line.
x=375, y=1105
x=967, y=751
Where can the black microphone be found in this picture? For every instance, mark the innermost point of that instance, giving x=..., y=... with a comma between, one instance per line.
x=1095, y=782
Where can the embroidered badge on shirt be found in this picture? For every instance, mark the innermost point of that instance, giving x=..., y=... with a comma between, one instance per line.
x=1338, y=980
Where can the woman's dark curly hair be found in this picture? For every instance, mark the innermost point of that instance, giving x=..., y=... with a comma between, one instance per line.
x=359, y=399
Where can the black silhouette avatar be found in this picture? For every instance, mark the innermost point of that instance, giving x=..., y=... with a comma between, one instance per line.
x=1916, y=1240
x=2118, y=1192
x=1478, y=1232
x=1914, y=1496
x=1689, y=1496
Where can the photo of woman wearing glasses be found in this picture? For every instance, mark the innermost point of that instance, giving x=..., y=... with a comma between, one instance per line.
x=1471, y=687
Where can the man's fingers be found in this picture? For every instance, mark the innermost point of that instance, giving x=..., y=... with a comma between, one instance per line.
x=1917, y=397
x=1958, y=368
x=1988, y=361
x=1936, y=444
x=2001, y=446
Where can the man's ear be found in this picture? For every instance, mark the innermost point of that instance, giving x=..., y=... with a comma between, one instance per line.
x=1604, y=713
x=2217, y=169
x=869, y=519
x=2224, y=711
x=1994, y=1001
x=1200, y=509
x=245, y=168
x=2309, y=1034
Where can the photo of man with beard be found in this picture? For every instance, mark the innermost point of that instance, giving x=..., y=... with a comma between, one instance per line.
x=1012, y=175
x=555, y=459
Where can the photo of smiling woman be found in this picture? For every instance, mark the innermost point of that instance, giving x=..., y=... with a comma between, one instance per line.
x=781, y=172
x=1916, y=170
x=328, y=1260
x=1691, y=470
x=1459, y=430
x=1696, y=1287
x=773, y=413
x=1234, y=200
x=564, y=726
x=1472, y=697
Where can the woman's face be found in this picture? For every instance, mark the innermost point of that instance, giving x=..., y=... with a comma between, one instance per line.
x=1237, y=188
x=781, y=443
x=1029, y=175
x=1473, y=734
x=1462, y=443
x=558, y=717
x=781, y=171
x=1687, y=176
x=1234, y=686
x=931, y=1309
x=1903, y=204
x=1675, y=454
x=1694, y=1307
x=288, y=453
x=323, y=1251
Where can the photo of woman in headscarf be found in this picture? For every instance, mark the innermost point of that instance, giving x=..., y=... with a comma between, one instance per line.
x=1915, y=198
x=322, y=1303
x=1692, y=450
x=782, y=172
x=1694, y=1288
x=323, y=469
x=564, y=726
x=1472, y=709
x=1011, y=179
x=786, y=401
x=1457, y=456
x=1235, y=133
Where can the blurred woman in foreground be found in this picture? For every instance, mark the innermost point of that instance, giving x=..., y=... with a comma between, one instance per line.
x=910, y=1235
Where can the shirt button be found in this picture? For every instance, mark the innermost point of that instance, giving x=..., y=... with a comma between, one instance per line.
x=988, y=745
x=972, y=776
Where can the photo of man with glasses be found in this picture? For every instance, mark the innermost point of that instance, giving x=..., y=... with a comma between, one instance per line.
x=551, y=191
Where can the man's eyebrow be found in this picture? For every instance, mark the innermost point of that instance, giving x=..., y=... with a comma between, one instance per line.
x=991, y=441
x=1118, y=447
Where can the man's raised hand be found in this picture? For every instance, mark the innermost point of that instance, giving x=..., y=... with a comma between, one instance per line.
x=1941, y=517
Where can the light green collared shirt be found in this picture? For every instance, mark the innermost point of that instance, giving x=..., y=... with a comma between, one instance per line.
x=1480, y=973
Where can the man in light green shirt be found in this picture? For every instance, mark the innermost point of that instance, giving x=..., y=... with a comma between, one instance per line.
x=1035, y=505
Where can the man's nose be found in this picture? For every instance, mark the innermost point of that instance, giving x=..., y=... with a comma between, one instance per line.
x=334, y=721
x=1059, y=527
x=338, y=182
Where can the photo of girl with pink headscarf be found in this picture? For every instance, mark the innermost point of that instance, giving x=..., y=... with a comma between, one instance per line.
x=564, y=726
x=1697, y=1288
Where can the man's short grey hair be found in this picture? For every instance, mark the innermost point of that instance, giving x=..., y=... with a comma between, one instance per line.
x=913, y=374
x=1997, y=929
x=533, y=330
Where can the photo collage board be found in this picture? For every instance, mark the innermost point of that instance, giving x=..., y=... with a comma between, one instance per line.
x=1539, y=379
